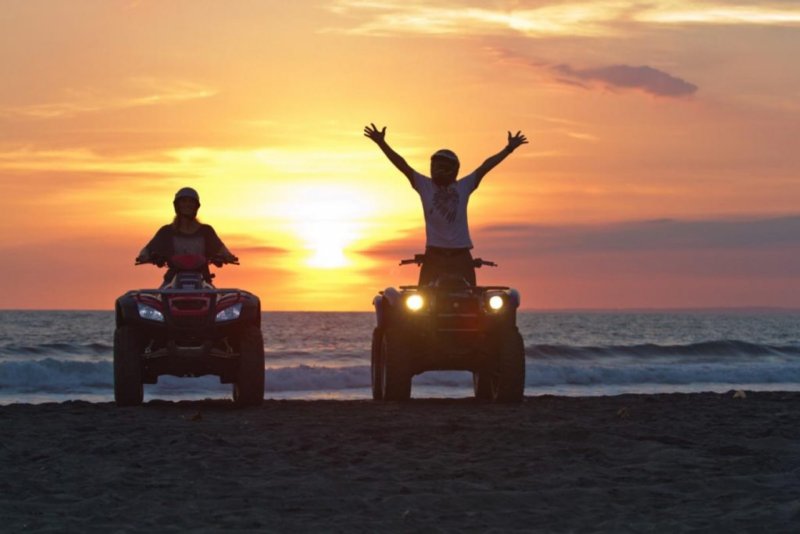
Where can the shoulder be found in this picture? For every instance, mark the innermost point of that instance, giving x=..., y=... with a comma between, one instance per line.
x=165, y=230
x=207, y=229
x=468, y=182
x=420, y=181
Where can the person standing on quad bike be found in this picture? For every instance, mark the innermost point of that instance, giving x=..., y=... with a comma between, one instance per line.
x=186, y=235
x=444, y=202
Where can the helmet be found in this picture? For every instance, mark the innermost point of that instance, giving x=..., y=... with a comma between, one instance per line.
x=186, y=192
x=446, y=154
x=449, y=176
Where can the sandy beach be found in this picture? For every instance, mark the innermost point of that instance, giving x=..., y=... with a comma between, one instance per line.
x=631, y=463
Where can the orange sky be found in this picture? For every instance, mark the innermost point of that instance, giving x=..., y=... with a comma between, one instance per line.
x=662, y=169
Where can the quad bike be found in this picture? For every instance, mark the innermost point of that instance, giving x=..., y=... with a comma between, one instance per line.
x=448, y=324
x=188, y=327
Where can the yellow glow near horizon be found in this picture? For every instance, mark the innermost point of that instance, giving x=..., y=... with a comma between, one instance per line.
x=328, y=218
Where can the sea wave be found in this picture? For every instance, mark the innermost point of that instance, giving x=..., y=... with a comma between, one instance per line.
x=51, y=375
x=11, y=350
x=725, y=348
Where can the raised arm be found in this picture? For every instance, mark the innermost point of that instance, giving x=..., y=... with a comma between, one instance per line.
x=514, y=141
x=379, y=136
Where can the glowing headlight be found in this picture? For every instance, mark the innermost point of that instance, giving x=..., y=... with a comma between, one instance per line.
x=496, y=302
x=414, y=302
x=230, y=313
x=149, y=313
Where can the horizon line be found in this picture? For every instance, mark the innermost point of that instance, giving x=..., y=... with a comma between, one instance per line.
x=534, y=310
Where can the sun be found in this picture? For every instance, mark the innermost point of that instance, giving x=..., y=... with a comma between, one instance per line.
x=328, y=219
x=327, y=242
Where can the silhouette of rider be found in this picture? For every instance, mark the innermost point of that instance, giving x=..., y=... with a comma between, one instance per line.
x=444, y=203
x=186, y=235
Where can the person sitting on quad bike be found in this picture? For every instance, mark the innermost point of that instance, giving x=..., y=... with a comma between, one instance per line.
x=444, y=202
x=185, y=236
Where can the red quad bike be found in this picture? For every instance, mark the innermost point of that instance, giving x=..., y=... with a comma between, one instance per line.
x=188, y=328
x=448, y=325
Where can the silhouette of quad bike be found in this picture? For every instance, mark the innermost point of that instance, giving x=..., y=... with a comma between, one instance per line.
x=188, y=327
x=448, y=325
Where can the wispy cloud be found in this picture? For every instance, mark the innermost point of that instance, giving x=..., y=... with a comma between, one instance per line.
x=534, y=18
x=754, y=13
x=137, y=92
x=460, y=18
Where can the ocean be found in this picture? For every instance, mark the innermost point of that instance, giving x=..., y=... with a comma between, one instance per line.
x=54, y=356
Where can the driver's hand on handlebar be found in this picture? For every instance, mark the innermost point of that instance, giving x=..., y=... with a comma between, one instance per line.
x=148, y=257
x=222, y=259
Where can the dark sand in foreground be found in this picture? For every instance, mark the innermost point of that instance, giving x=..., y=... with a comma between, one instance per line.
x=633, y=463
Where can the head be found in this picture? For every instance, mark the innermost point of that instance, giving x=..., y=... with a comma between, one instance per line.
x=444, y=167
x=186, y=203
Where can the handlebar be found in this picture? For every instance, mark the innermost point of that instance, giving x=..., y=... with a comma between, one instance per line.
x=160, y=261
x=419, y=259
x=219, y=262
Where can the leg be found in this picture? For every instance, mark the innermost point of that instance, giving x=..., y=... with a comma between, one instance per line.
x=430, y=270
x=464, y=267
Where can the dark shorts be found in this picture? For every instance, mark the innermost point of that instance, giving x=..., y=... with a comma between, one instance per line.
x=449, y=261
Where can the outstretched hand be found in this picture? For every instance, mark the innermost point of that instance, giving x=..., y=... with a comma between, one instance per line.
x=514, y=141
x=373, y=133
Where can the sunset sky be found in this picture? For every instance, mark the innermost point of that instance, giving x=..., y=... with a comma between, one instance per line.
x=663, y=168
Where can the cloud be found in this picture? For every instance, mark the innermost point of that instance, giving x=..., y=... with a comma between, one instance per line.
x=755, y=13
x=383, y=18
x=542, y=18
x=260, y=250
x=138, y=92
x=666, y=234
x=644, y=78
x=614, y=77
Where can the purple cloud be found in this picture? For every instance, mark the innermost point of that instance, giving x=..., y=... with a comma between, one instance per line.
x=664, y=234
x=644, y=78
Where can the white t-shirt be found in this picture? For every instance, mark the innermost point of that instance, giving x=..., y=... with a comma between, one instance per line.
x=445, y=211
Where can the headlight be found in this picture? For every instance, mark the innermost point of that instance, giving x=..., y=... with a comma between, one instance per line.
x=230, y=313
x=414, y=302
x=149, y=313
x=496, y=302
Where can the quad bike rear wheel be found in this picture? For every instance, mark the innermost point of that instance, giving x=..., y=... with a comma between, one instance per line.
x=128, y=366
x=248, y=390
x=376, y=364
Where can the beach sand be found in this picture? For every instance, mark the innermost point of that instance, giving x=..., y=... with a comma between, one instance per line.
x=631, y=463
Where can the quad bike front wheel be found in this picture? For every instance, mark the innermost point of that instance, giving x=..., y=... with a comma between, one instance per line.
x=484, y=384
x=510, y=385
x=248, y=390
x=128, y=366
x=396, y=377
x=505, y=380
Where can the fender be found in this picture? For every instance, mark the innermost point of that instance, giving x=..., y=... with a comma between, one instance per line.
x=515, y=297
x=386, y=299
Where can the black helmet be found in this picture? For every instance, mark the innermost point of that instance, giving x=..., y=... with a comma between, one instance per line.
x=446, y=154
x=186, y=192
x=450, y=177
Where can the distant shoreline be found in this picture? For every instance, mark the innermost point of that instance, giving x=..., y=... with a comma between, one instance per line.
x=742, y=309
